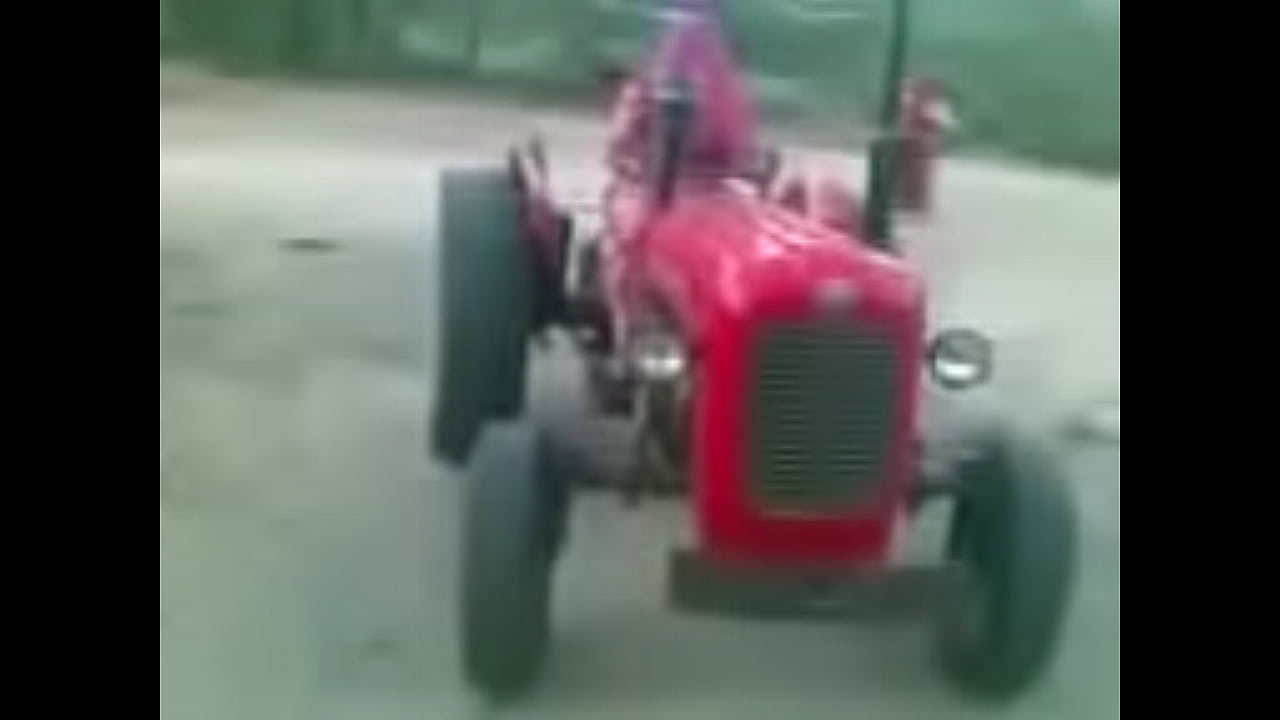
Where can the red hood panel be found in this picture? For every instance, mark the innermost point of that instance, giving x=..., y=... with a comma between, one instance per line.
x=729, y=253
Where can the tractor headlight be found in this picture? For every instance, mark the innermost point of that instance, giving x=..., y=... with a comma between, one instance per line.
x=960, y=359
x=659, y=357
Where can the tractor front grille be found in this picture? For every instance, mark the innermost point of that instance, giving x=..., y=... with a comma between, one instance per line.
x=821, y=408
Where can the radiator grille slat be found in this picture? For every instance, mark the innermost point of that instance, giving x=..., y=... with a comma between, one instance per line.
x=821, y=407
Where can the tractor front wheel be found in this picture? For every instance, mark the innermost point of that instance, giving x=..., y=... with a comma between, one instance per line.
x=515, y=516
x=1012, y=547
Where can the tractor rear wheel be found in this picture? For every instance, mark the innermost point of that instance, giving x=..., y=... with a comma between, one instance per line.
x=485, y=308
x=1013, y=546
x=517, y=503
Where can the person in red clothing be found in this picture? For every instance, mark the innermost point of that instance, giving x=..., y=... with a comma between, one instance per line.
x=691, y=53
x=926, y=117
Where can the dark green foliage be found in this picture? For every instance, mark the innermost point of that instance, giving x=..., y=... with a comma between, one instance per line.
x=1033, y=78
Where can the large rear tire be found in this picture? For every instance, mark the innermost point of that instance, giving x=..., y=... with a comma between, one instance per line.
x=486, y=308
x=515, y=515
x=1013, y=546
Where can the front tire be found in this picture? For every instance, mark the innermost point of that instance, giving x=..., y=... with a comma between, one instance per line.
x=1013, y=547
x=515, y=514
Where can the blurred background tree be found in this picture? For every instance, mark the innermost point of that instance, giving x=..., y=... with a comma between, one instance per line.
x=1036, y=79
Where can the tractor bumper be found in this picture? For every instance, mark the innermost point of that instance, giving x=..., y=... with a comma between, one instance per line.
x=700, y=585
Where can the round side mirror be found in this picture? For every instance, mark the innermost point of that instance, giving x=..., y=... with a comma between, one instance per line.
x=960, y=358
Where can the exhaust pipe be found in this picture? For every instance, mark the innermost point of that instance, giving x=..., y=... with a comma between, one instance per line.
x=882, y=165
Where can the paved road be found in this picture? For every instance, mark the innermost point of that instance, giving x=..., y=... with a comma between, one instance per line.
x=306, y=545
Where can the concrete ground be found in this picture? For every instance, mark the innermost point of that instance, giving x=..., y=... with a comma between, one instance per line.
x=307, y=547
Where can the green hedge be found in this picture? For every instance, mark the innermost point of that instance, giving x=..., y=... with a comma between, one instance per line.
x=1036, y=78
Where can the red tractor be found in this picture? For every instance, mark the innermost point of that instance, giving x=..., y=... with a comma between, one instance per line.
x=771, y=355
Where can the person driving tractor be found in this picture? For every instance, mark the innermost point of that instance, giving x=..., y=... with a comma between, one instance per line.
x=690, y=55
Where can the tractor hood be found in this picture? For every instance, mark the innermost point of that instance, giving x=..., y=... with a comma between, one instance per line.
x=727, y=255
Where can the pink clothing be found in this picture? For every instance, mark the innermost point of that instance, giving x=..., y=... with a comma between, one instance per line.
x=691, y=53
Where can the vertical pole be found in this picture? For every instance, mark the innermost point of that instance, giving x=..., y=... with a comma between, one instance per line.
x=474, y=35
x=885, y=148
x=675, y=118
